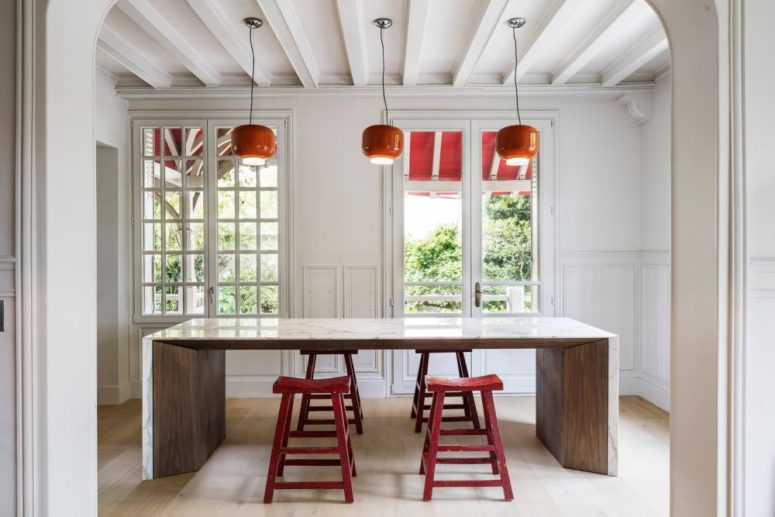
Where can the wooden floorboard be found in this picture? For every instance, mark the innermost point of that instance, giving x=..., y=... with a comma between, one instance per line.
x=387, y=454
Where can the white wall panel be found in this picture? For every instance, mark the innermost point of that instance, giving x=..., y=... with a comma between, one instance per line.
x=320, y=292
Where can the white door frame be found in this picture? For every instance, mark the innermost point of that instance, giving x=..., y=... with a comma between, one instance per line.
x=55, y=149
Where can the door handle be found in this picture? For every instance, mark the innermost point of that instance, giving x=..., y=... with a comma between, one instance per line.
x=210, y=294
x=478, y=294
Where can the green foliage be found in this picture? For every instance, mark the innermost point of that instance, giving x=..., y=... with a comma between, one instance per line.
x=508, y=254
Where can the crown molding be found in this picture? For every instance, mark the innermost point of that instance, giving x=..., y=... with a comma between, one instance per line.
x=240, y=92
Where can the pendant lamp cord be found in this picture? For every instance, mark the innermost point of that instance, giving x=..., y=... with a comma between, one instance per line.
x=516, y=63
x=252, y=75
x=384, y=98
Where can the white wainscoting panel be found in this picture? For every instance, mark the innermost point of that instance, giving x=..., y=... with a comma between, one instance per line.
x=627, y=293
x=320, y=292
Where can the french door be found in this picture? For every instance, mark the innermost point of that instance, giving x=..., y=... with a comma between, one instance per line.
x=471, y=237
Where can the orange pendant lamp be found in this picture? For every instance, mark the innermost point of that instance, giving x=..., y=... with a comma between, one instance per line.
x=253, y=143
x=382, y=143
x=517, y=144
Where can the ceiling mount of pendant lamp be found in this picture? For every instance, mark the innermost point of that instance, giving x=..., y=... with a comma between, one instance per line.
x=517, y=144
x=382, y=143
x=253, y=143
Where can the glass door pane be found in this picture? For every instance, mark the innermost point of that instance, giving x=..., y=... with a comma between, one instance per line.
x=246, y=272
x=508, y=254
x=433, y=200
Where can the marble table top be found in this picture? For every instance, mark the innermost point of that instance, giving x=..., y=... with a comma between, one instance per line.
x=286, y=329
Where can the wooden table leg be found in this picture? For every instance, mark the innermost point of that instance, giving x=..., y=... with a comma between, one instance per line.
x=577, y=404
x=189, y=407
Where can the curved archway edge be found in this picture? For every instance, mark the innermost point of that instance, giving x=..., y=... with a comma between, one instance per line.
x=58, y=395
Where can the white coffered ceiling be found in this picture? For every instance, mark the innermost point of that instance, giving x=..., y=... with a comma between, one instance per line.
x=314, y=43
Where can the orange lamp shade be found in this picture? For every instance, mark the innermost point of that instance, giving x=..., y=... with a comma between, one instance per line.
x=517, y=144
x=382, y=143
x=253, y=143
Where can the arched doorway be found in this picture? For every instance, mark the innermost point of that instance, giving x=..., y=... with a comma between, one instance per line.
x=58, y=210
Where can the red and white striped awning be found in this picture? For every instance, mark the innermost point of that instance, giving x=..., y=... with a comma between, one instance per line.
x=435, y=165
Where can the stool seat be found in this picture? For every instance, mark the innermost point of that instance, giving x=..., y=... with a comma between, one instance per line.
x=296, y=385
x=485, y=382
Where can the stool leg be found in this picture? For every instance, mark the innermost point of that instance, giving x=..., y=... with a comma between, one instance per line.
x=489, y=408
x=417, y=386
x=274, y=458
x=468, y=397
x=490, y=440
x=340, y=420
x=286, y=433
x=421, y=393
x=434, y=420
x=427, y=443
x=355, y=398
x=305, y=398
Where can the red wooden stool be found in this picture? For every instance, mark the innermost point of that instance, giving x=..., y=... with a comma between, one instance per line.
x=420, y=393
x=353, y=395
x=334, y=389
x=440, y=387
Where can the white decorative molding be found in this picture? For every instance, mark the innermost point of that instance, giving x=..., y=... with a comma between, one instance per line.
x=633, y=110
x=320, y=294
x=7, y=276
x=361, y=291
x=434, y=91
x=761, y=274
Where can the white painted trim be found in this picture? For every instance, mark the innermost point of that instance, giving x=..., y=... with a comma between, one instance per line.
x=113, y=395
x=438, y=91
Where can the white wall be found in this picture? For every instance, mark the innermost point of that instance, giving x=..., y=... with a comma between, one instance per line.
x=7, y=257
x=759, y=355
x=114, y=245
x=337, y=216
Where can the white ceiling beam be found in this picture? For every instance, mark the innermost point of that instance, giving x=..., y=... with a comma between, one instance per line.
x=144, y=14
x=556, y=16
x=351, y=24
x=638, y=55
x=596, y=41
x=418, y=14
x=489, y=16
x=117, y=48
x=286, y=25
x=232, y=34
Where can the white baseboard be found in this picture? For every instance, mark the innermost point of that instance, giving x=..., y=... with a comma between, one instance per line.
x=113, y=395
x=655, y=391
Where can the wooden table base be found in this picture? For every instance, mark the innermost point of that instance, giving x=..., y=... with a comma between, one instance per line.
x=184, y=400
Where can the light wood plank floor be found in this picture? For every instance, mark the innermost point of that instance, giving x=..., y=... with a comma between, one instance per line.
x=387, y=456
